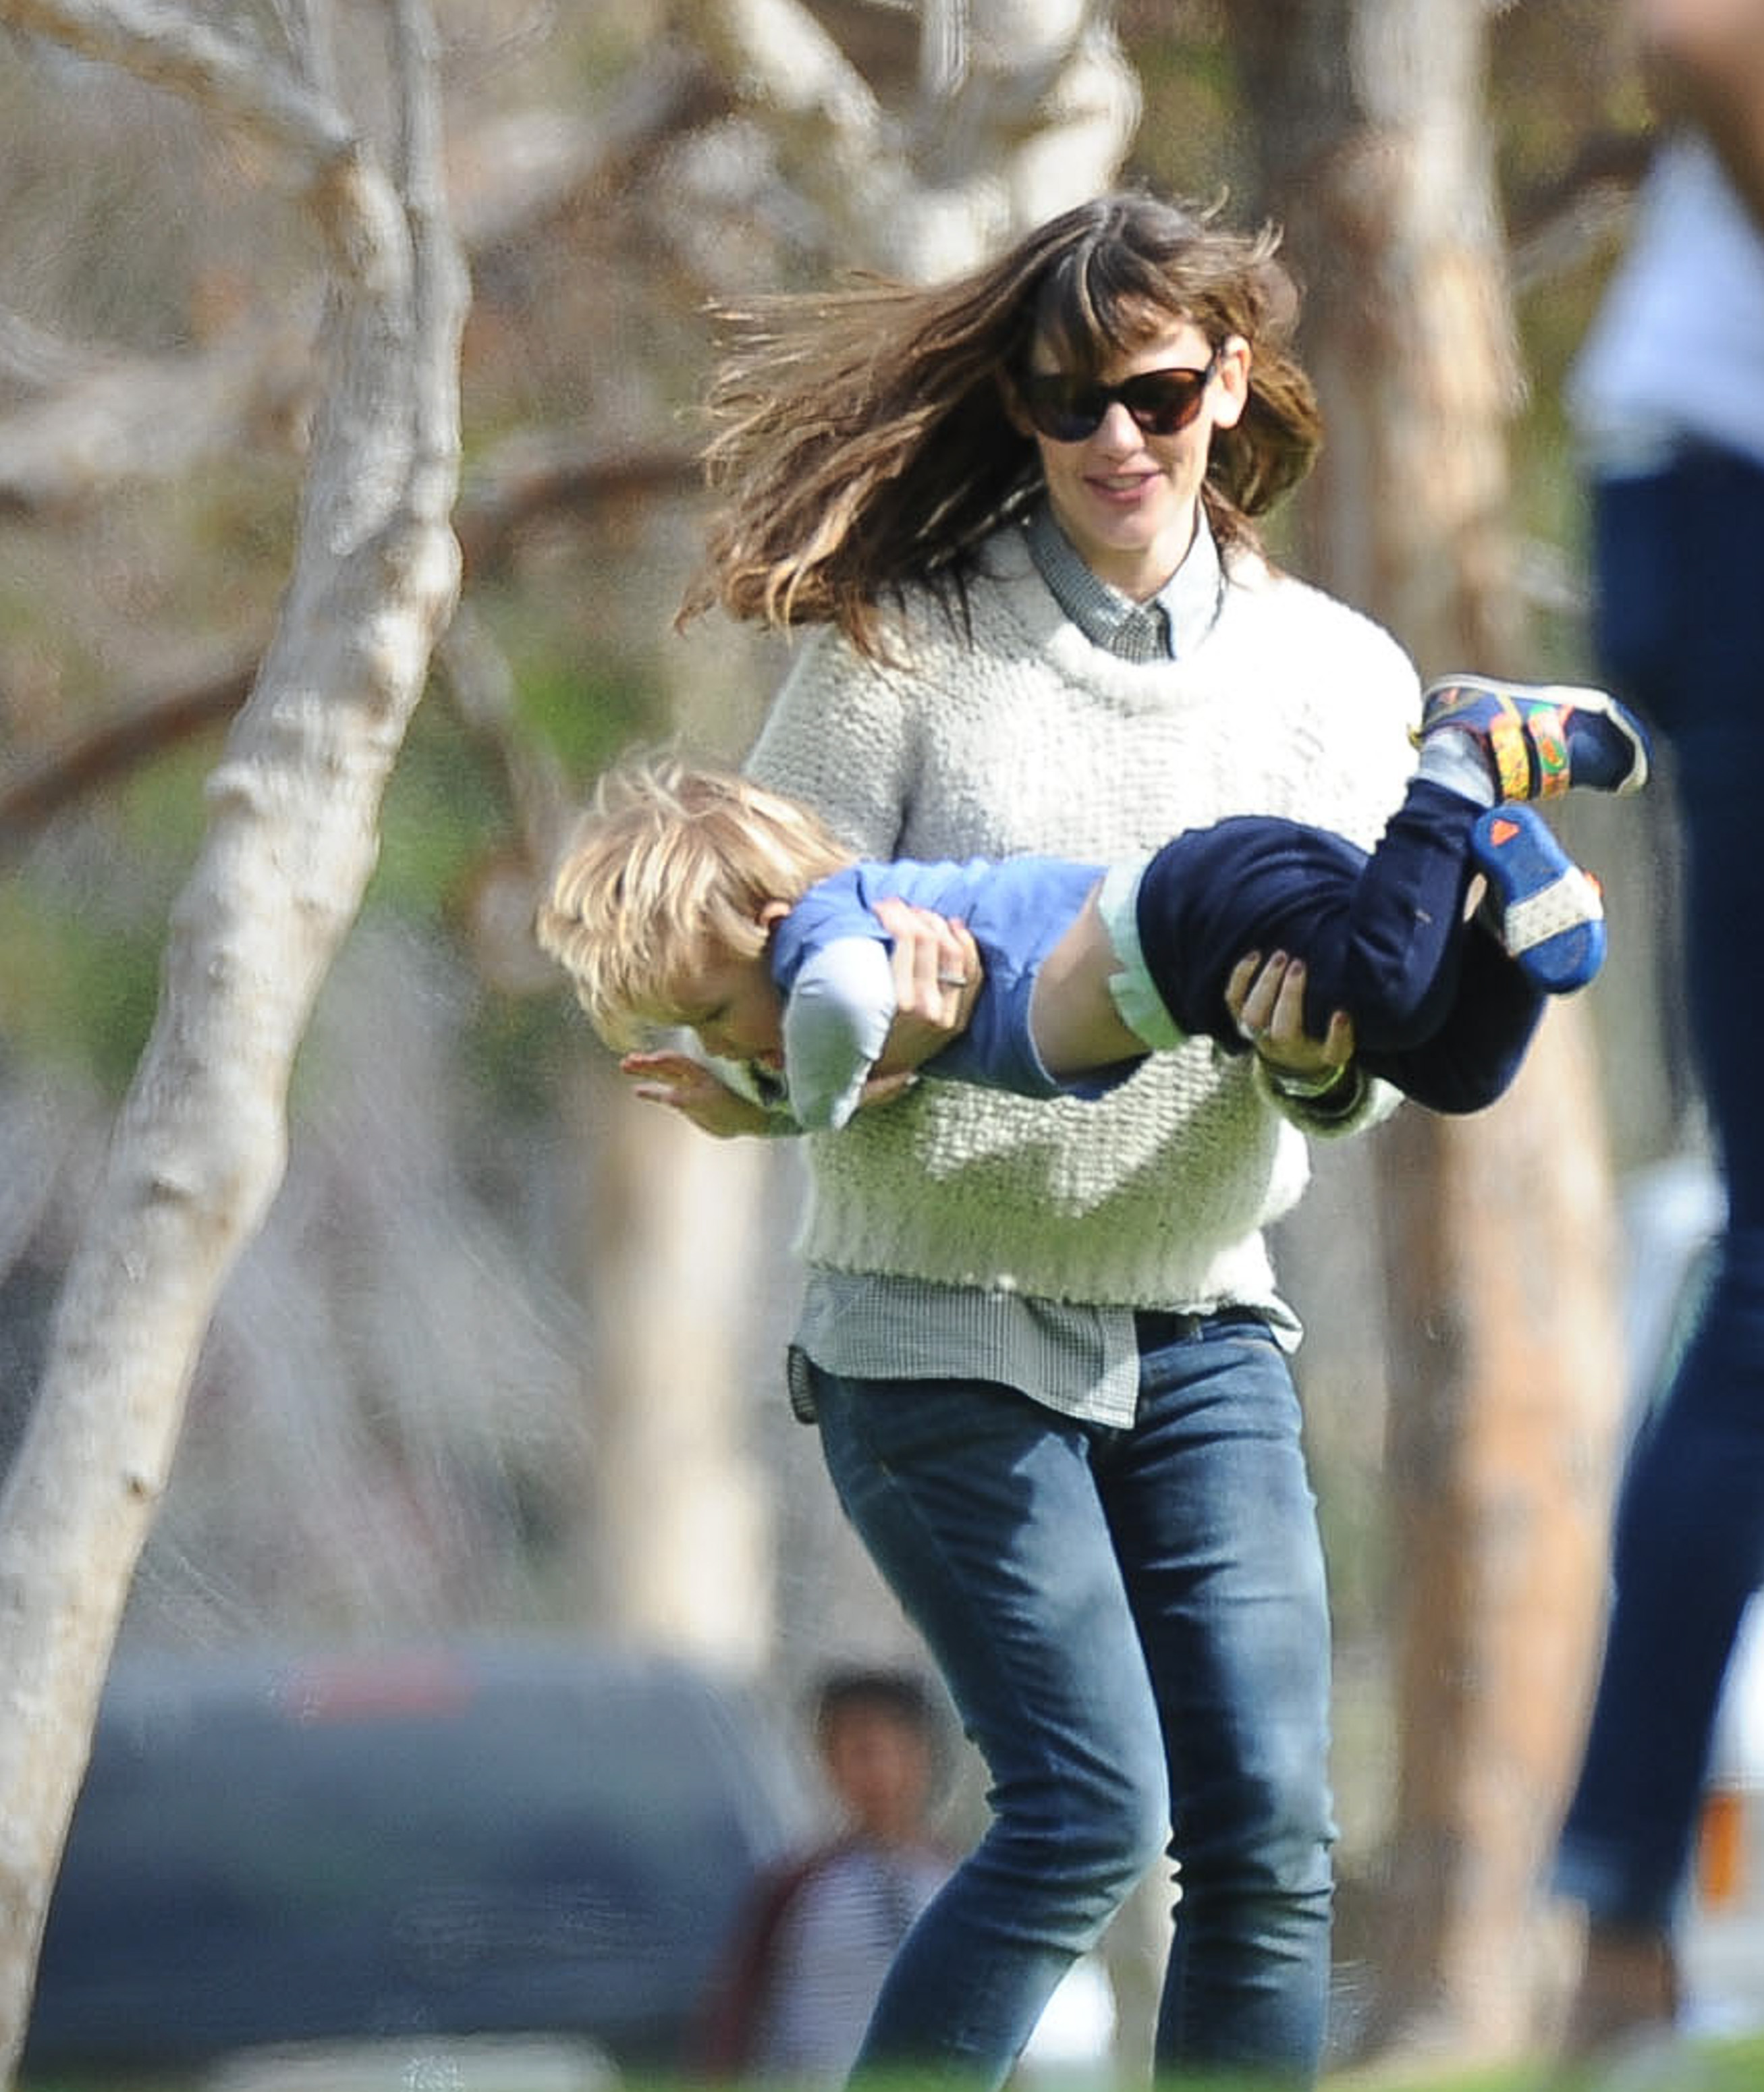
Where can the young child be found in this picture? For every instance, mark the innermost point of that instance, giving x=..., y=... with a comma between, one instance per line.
x=816, y=1932
x=693, y=897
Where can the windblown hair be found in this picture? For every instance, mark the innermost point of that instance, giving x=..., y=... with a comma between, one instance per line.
x=671, y=863
x=862, y=441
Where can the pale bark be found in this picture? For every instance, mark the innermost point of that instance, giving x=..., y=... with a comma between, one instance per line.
x=95, y=420
x=1505, y=1377
x=1024, y=107
x=679, y=1555
x=198, y=1148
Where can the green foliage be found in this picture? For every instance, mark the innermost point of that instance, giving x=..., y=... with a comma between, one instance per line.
x=81, y=990
x=587, y=708
x=83, y=926
x=513, y=1045
x=442, y=810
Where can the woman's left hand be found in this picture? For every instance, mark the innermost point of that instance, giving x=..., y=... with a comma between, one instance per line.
x=1266, y=1000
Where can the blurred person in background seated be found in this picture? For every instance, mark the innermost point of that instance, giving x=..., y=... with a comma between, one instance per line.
x=818, y=1931
x=1669, y=397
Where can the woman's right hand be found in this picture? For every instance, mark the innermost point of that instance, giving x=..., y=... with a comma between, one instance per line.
x=937, y=978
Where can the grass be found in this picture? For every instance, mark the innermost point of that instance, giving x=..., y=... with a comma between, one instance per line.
x=1730, y=2066
x=1711, y=2066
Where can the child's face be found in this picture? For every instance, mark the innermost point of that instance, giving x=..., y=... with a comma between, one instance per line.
x=733, y=1004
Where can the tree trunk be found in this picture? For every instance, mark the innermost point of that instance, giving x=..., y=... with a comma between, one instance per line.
x=1022, y=108
x=678, y=1555
x=1506, y=1375
x=198, y=1148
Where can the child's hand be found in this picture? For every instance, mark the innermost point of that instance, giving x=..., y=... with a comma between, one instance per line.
x=937, y=977
x=688, y=1087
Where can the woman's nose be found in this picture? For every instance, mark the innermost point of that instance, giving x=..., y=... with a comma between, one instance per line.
x=1117, y=430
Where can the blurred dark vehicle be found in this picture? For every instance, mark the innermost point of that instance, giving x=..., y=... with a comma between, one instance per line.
x=476, y=1840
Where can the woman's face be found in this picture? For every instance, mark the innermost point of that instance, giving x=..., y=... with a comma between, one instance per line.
x=1128, y=499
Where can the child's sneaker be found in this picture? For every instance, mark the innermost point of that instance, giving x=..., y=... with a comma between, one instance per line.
x=1546, y=911
x=1540, y=738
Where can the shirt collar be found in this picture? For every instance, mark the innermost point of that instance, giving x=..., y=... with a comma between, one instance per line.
x=1169, y=624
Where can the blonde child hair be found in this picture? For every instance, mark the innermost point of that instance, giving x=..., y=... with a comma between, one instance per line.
x=671, y=862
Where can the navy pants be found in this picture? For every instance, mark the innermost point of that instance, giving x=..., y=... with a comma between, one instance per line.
x=1681, y=629
x=1439, y=1010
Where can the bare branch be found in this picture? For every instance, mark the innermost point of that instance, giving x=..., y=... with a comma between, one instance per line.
x=122, y=419
x=169, y=48
x=110, y=421
x=145, y=730
x=531, y=479
x=1026, y=105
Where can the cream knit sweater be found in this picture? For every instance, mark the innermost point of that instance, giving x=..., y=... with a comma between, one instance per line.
x=1026, y=737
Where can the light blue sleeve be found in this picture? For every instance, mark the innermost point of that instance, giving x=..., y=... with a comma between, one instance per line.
x=835, y=1026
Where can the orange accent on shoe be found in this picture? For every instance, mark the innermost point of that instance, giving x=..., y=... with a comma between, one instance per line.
x=1512, y=757
x=1549, y=732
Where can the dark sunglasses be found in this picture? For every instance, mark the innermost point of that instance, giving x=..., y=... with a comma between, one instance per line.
x=1068, y=409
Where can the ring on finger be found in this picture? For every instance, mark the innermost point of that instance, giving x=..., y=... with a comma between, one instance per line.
x=951, y=980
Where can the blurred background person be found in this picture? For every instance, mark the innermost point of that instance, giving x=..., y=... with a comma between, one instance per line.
x=1669, y=396
x=811, y=1946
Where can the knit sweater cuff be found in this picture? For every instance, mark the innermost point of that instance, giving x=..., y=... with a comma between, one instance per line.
x=1359, y=1101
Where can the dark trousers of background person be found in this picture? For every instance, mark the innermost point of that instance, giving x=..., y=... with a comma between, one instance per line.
x=1680, y=557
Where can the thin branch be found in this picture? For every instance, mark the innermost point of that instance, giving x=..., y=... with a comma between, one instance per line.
x=531, y=481
x=120, y=420
x=169, y=48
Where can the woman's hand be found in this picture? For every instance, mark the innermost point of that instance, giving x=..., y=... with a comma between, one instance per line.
x=688, y=1086
x=1267, y=1003
x=937, y=975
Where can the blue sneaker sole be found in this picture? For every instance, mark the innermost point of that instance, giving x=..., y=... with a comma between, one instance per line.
x=1552, y=917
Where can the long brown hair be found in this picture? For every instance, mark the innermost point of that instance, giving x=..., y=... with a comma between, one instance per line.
x=861, y=440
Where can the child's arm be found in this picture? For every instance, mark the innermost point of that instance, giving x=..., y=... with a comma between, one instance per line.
x=835, y=1026
x=678, y=1079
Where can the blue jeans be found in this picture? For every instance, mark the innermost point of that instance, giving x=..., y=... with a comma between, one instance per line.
x=1134, y=1627
x=1679, y=557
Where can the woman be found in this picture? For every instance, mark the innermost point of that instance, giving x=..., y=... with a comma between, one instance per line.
x=1015, y=517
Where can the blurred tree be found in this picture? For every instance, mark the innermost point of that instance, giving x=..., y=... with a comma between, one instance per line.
x=197, y=1151
x=1507, y=1377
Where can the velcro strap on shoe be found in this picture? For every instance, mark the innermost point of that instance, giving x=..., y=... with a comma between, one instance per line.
x=1549, y=745
x=1512, y=751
